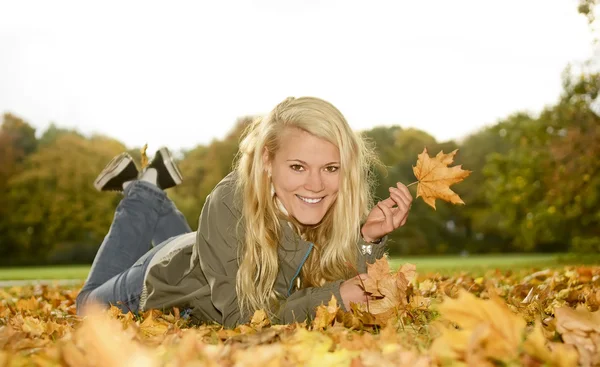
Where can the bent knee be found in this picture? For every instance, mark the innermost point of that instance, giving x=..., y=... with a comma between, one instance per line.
x=80, y=301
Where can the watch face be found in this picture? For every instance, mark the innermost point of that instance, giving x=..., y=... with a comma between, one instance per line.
x=595, y=105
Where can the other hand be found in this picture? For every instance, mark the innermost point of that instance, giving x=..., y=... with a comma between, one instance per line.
x=351, y=291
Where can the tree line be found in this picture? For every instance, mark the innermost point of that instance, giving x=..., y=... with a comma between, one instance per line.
x=535, y=185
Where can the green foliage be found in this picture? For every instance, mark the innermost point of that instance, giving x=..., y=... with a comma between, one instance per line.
x=545, y=187
x=535, y=185
x=586, y=7
x=52, y=206
x=203, y=167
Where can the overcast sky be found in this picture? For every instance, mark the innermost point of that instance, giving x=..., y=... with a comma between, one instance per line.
x=179, y=73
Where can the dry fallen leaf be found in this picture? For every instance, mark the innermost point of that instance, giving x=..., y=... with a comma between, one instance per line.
x=488, y=329
x=387, y=289
x=152, y=327
x=38, y=326
x=560, y=355
x=435, y=177
x=581, y=328
x=325, y=314
x=260, y=320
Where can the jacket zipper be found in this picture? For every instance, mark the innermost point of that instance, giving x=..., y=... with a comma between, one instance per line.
x=299, y=269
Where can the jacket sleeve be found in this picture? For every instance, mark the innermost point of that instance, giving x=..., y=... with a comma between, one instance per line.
x=369, y=252
x=302, y=304
x=216, y=246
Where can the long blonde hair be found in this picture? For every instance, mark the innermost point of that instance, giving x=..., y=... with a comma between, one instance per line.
x=335, y=238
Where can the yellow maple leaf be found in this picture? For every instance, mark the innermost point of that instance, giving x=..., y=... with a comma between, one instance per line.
x=561, y=355
x=325, y=315
x=355, y=318
x=30, y=304
x=153, y=327
x=580, y=328
x=488, y=329
x=260, y=320
x=106, y=344
x=33, y=326
x=388, y=289
x=72, y=355
x=306, y=348
x=435, y=177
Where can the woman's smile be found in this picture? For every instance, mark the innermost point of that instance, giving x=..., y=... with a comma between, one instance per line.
x=310, y=200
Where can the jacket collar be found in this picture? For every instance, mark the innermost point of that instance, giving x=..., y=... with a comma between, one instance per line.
x=293, y=252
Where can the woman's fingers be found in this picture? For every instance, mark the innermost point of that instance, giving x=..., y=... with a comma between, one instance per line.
x=403, y=203
x=389, y=202
x=404, y=193
x=399, y=197
x=362, y=276
x=404, y=189
x=401, y=210
x=388, y=216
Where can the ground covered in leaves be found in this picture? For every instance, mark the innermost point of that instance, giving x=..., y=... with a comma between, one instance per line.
x=542, y=318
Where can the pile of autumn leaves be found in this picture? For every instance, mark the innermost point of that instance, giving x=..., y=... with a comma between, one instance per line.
x=547, y=318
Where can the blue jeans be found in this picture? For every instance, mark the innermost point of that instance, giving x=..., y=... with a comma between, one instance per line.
x=145, y=216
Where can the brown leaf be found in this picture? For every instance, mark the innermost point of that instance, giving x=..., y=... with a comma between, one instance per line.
x=260, y=320
x=72, y=356
x=488, y=329
x=435, y=177
x=389, y=289
x=326, y=314
x=580, y=328
x=560, y=356
x=33, y=326
x=106, y=344
x=152, y=327
x=30, y=304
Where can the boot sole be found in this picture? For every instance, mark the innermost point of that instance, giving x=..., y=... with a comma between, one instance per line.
x=104, y=179
x=169, y=165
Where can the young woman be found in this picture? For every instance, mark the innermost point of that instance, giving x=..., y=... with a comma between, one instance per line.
x=283, y=232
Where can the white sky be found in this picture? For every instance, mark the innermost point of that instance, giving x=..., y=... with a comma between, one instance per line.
x=179, y=73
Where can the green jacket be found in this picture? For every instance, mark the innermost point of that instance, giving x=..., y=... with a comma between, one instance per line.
x=198, y=270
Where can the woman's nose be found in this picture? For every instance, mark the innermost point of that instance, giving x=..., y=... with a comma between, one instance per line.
x=314, y=182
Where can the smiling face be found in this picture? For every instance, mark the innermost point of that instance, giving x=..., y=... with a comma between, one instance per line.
x=305, y=174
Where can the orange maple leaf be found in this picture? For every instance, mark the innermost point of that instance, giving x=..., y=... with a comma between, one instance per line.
x=488, y=330
x=435, y=177
x=325, y=314
x=581, y=328
x=388, y=289
x=260, y=320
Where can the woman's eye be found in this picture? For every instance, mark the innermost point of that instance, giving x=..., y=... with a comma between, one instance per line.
x=297, y=167
x=332, y=169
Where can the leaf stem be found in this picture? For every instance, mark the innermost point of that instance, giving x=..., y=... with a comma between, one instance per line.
x=410, y=184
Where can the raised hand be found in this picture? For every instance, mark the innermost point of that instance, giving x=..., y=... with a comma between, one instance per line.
x=388, y=214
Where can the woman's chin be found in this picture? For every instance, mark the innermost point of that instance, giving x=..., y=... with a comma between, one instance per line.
x=309, y=220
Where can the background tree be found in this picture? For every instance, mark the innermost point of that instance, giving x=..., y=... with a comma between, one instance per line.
x=546, y=186
x=202, y=168
x=17, y=141
x=55, y=213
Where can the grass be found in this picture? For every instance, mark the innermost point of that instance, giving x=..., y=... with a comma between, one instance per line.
x=444, y=265
x=45, y=272
x=479, y=264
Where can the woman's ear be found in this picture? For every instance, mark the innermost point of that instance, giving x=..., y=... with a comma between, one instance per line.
x=266, y=161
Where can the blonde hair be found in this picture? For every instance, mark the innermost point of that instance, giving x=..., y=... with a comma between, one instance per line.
x=335, y=238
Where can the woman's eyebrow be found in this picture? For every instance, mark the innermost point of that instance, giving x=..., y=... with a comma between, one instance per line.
x=306, y=164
